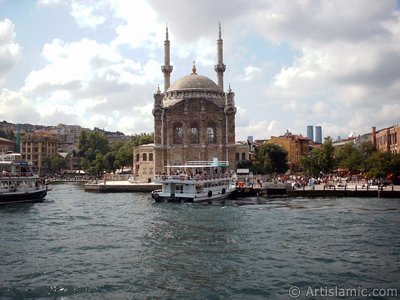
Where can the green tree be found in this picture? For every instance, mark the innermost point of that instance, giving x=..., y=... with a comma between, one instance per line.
x=100, y=163
x=142, y=139
x=123, y=155
x=310, y=163
x=110, y=161
x=320, y=160
x=395, y=167
x=378, y=164
x=93, y=146
x=349, y=157
x=271, y=158
x=57, y=164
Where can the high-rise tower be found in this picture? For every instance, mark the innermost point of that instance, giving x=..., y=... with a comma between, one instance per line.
x=318, y=134
x=166, y=68
x=220, y=67
x=310, y=132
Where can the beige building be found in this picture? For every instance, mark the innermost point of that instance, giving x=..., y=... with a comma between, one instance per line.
x=143, y=163
x=194, y=118
x=295, y=145
x=387, y=139
x=242, y=152
x=36, y=146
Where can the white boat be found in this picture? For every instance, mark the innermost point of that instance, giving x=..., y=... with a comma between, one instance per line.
x=196, y=181
x=17, y=181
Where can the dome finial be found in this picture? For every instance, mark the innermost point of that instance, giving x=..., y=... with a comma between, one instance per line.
x=194, y=68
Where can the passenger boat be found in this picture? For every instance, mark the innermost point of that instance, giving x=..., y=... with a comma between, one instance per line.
x=18, y=183
x=195, y=181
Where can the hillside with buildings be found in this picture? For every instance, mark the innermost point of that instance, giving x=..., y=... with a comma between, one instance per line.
x=36, y=143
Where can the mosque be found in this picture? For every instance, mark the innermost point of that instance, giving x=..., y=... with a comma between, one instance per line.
x=194, y=120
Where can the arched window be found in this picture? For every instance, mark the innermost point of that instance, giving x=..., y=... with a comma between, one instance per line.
x=178, y=134
x=211, y=134
x=144, y=156
x=194, y=134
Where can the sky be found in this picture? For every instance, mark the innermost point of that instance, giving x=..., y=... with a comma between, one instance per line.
x=95, y=63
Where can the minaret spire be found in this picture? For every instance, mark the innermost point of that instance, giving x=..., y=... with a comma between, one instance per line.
x=166, y=68
x=220, y=67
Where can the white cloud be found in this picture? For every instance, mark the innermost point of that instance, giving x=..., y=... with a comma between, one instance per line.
x=346, y=71
x=259, y=129
x=9, y=48
x=49, y=2
x=88, y=15
x=139, y=26
x=344, y=76
x=14, y=105
x=249, y=73
x=92, y=82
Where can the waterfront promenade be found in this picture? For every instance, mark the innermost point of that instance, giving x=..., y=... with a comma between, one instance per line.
x=123, y=186
x=349, y=190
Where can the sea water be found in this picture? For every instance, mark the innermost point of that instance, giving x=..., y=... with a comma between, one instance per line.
x=80, y=245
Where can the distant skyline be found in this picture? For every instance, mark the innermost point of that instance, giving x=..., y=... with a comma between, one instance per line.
x=334, y=64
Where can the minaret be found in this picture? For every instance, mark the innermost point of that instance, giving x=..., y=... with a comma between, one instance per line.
x=220, y=67
x=166, y=68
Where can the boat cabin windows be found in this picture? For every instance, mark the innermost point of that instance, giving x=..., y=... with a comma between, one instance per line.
x=179, y=188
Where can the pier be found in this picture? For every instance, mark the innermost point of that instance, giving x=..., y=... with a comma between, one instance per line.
x=391, y=191
x=121, y=187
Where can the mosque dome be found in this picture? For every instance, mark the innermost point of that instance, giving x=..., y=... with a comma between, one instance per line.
x=194, y=82
x=193, y=86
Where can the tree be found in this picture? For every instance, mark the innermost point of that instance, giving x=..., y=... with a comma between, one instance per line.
x=93, y=146
x=378, y=164
x=142, y=139
x=395, y=168
x=57, y=164
x=349, y=157
x=271, y=158
x=310, y=163
x=123, y=155
x=320, y=160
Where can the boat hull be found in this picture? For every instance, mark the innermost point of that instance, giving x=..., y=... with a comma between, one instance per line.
x=158, y=197
x=22, y=197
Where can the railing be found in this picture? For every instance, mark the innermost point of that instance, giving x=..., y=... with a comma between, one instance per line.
x=207, y=163
x=194, y=178
x=17, y=175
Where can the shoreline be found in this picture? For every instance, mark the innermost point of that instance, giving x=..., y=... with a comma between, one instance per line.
x=392, y=191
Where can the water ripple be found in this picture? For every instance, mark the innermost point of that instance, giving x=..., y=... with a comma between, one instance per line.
x=79, y=245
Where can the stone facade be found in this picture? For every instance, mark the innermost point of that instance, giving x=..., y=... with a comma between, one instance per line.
x=36, y=147
x=387, y=139
x=143, y=163
x=295, y=145
x=194, y=119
